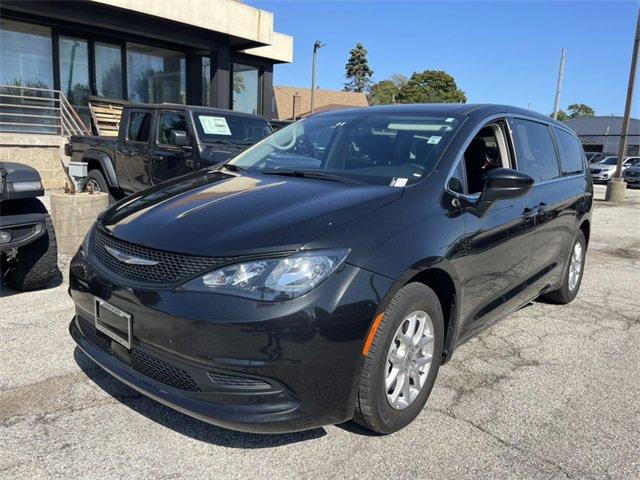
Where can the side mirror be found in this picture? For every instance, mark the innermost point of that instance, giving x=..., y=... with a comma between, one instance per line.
x=504, y=183
x=178, y=138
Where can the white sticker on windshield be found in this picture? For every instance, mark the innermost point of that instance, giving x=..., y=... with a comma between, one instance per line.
x=449, y=120
x=214, y=125
x=434, y=140
x=398, y=182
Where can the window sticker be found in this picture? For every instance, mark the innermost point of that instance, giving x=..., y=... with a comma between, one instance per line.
x=398, y=182
x=449, y=120
x=434, y=140
x=214, y=125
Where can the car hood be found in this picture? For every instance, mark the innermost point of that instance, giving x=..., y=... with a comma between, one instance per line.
x=215, y=213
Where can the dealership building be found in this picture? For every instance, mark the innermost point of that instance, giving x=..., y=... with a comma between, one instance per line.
x=56, y=57
x=602, y=134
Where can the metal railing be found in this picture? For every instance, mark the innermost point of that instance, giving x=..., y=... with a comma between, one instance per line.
x=38, y=111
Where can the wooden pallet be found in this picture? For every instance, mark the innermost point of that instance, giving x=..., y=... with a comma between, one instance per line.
x=106, y=113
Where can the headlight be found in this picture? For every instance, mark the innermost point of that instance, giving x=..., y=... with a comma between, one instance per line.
x=272, y=279
x=26, y=186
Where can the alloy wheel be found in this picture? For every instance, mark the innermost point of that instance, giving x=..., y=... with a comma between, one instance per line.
x=92, y=185
x=575, y=266
x=409, y=359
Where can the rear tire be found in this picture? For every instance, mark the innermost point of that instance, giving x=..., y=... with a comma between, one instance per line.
x=570, y=284
x=96, y=181
x=374, y=409
x=36, y=263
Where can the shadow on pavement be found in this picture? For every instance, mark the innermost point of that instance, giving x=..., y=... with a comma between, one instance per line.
x=7, y=291
x=180, y=422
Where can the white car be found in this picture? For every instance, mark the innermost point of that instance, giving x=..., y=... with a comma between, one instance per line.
x=604, y=170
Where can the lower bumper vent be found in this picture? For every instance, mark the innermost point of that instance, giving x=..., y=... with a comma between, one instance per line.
x=142, y=362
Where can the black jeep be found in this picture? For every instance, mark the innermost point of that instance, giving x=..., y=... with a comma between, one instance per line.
x=28, y=251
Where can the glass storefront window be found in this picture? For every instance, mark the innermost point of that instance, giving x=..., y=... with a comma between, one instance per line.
x=74, y=74
x=108, y=61
x=206, y=81
x=246, y=88
x=155, y=74
x=25, y=55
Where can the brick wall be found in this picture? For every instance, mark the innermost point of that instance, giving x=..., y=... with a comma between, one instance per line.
x=42, y=152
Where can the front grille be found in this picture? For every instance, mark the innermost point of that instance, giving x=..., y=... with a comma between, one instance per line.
x=142, y=362
x=171, y=267
x=633, y=174
x=162, y=372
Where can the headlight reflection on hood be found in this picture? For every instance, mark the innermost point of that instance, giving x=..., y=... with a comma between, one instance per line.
x=272, y=279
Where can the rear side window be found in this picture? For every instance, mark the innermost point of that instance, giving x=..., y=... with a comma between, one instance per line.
x=139, y=127
x=169, y=122
x=571, y=157
x=535, y=150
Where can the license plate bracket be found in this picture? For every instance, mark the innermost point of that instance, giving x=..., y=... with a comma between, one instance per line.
x=113, y=322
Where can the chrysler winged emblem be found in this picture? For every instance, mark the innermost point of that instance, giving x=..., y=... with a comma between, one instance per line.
x=130, y=259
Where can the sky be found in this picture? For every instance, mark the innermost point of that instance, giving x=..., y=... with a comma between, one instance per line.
x=497, y=51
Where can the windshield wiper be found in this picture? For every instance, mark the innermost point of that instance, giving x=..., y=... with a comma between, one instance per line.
x=227, y=143
x=234, y=168
x=314, y=174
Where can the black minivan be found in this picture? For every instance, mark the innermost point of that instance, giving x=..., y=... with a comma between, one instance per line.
x=328, y=271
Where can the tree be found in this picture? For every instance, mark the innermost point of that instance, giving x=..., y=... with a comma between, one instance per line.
x=431, y=86
x=384, y=92
x=357, y=69
x=398, y=79
x=580, y=110
x=561, y=117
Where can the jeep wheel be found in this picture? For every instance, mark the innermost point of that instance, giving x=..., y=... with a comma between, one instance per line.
x=36, y=263
x=96, y=182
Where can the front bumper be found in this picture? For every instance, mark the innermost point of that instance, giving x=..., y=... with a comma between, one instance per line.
x=22, y=229
x=252, y=366
x=601, y=177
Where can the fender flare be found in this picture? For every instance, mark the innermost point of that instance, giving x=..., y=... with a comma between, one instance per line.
x=106, y=165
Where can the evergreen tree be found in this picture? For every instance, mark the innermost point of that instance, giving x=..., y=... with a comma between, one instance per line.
x=357, y=69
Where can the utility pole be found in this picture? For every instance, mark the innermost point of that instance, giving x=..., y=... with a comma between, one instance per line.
x=616, y=187
x=316, y=46
x=556, y=104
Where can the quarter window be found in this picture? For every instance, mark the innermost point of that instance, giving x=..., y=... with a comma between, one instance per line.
x=535, y=149
x=167, y=123
x=139, y=126
x=571, y=156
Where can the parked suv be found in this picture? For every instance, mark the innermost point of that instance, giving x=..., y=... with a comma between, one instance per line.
x=28, y=249
x=328, y=271
x=157, y=142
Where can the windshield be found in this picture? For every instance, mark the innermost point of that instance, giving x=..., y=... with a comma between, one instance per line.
x=376, y=148
x=232, y=128
x=610, y=161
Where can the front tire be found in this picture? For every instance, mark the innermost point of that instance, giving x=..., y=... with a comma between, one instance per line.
x=36, y=263
x=573, y=273
x=402, y=362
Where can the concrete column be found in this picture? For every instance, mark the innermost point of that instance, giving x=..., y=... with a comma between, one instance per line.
x=267, y=92
x=221, y=82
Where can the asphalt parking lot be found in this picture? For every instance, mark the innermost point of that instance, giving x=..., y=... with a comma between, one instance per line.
x=551, y=392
